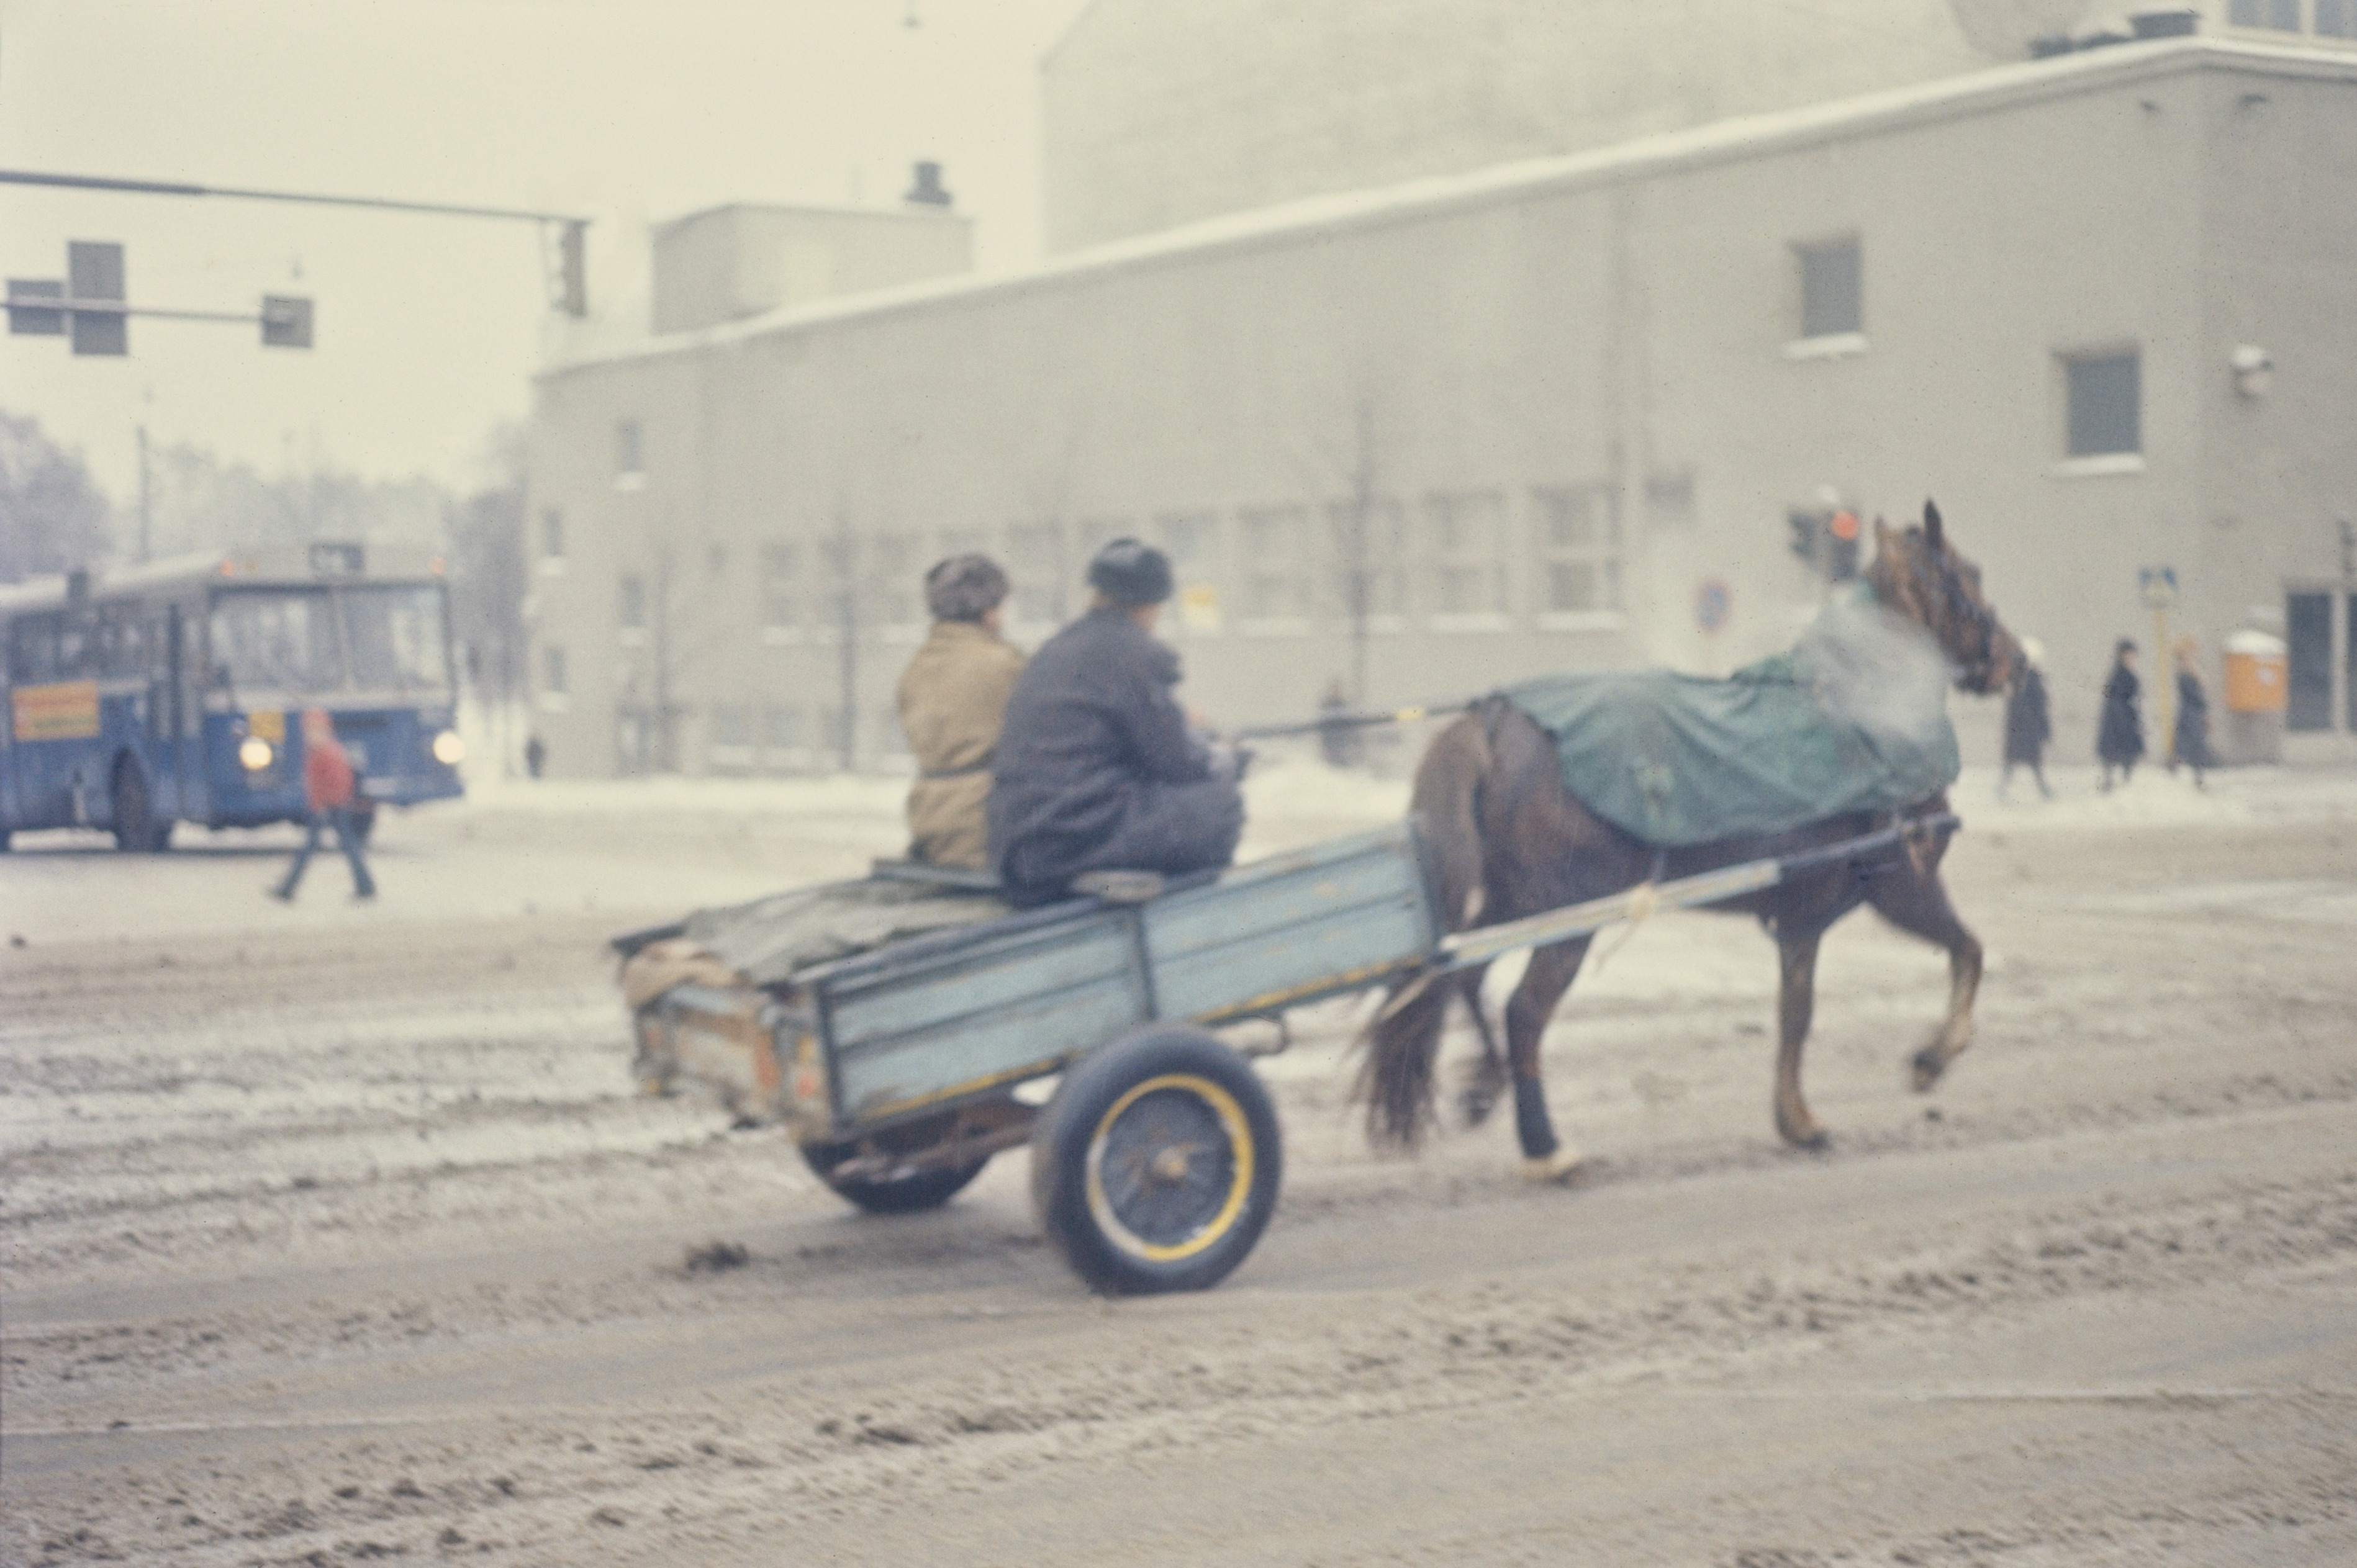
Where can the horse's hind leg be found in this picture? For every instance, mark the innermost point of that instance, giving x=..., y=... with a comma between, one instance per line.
x=1796, y=1000
x=1920, y=905
x=1528, y=1012
x=1487, y=1078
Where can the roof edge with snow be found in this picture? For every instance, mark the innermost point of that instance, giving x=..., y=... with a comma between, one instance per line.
x=1723, y=140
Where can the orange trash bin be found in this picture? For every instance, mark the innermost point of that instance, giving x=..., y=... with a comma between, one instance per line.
x=2257, y=674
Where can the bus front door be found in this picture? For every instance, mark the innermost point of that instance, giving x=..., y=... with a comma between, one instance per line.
x=184, y=747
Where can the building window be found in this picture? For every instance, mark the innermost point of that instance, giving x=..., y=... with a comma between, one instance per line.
x=783, y=731
x=732, y=736
x=2336, y=19
x=2104, y=417
x=2278, y=15
x=1669, y=498
x=1578, y=550
x=1832, y=296
x=629, y=451
x=1034, y=562
x=1370, y=557
x=1274, y=541
x=552, y=534
x=553, y=675
x=1192, y=540
x=1464, y=534
x=632, y=607
x=781, y=605
x=895, y=580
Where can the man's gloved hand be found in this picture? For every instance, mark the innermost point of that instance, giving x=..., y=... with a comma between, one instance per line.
x=1229, y=760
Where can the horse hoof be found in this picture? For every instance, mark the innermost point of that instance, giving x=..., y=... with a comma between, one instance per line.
x=1815, y=1142
x=1555, y=1168
x=1928, y=1065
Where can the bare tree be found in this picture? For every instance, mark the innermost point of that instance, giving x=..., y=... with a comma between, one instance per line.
x=53, y=517
x=488, y=579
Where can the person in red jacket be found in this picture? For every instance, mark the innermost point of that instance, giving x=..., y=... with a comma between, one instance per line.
x=328, y=788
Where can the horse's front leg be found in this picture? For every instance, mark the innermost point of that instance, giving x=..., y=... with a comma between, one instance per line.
x=1920, y=905
x=1528, y=1012
x=1796, y=1000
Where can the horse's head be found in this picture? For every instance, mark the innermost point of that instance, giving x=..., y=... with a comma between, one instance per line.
x=1917, y=572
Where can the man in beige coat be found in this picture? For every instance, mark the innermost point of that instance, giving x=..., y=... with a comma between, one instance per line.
x=953, y=696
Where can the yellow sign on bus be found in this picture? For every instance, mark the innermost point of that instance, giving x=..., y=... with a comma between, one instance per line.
x=66, y=711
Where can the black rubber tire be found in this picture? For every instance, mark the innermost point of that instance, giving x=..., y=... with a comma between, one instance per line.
x=1219, y=1216
x=902, y=1194
x=137, y=830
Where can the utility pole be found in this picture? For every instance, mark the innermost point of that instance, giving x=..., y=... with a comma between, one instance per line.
x=146, y=514
x=846, y=605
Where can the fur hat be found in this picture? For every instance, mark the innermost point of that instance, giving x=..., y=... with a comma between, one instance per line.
x=1130, y=573
x=964, y=588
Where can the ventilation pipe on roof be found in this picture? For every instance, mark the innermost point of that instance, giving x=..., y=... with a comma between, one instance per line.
x=927, y=191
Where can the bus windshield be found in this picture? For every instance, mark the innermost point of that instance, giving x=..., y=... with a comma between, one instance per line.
x=288, y=641
x=394, y=634
x=277, y=639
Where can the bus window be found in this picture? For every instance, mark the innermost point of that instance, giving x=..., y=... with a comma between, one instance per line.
x=277, y=640
x=32, y=650
x=396, y=636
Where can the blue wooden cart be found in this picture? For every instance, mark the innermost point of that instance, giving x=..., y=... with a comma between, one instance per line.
x=1155, y=1162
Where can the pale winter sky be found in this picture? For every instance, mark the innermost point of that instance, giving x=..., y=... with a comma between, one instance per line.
x=430, y=329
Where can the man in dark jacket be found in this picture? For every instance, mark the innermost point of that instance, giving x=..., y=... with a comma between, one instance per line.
x=1095, y=768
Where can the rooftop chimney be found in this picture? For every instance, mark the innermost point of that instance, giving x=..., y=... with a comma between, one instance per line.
x=927, y=191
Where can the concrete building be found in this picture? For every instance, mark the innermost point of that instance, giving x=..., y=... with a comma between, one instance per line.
x=1457, y=431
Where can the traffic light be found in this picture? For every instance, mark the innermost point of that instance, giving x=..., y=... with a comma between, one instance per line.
x=572, y=277
x=94, y=272
x=285, y=321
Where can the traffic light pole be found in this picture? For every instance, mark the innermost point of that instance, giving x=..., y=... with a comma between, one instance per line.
x=571, y=293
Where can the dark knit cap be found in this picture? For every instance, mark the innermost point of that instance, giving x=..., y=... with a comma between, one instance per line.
x=1130, y=573
x=964, y=588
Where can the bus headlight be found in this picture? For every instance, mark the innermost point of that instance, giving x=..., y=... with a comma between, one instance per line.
x=254, y=753
x=448, y=749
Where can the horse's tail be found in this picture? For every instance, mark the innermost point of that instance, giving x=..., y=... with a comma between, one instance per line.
x=1404, y=1040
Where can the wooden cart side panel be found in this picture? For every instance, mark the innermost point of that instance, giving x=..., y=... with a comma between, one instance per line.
x=1287, y=927
x=1280, y=967
x=972, y=1021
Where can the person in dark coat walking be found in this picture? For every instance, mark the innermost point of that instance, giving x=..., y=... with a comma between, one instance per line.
x=2119, y=739
x=1095, y=768
x=2191, y=744
x=2028, y=724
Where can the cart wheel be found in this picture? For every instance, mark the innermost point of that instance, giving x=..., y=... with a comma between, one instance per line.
x=1157, y=1164
x=911, y=1194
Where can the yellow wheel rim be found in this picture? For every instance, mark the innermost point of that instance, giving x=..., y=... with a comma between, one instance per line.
x=1142, y=1157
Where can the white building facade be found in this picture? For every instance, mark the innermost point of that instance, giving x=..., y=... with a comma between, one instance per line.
x=1430, y=439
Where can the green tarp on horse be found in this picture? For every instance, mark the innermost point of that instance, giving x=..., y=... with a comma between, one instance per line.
x=1854, y=718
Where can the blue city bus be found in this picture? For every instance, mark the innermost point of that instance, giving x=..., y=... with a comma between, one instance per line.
x=174, y=693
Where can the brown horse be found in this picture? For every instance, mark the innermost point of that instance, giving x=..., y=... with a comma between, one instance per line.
x=1508, y=839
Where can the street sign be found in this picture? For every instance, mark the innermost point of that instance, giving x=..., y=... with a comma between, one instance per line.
x=2158, y=585
x=94, y=272
x=25, y=320
x=1713, y=602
